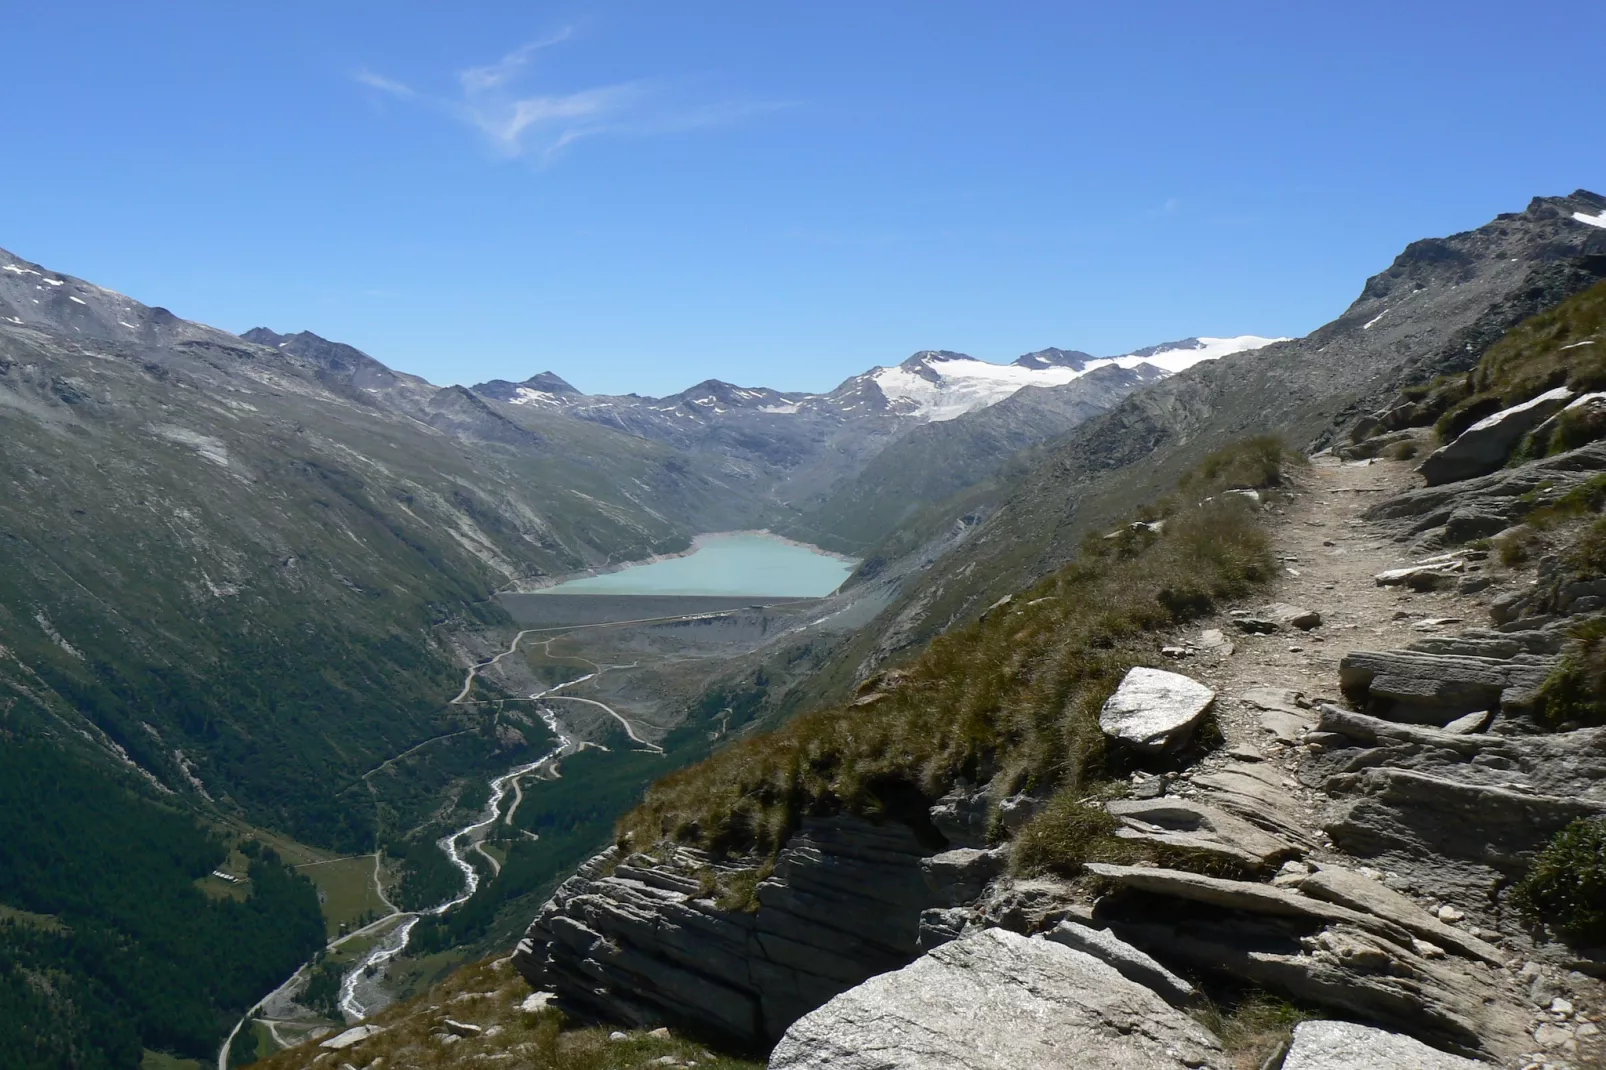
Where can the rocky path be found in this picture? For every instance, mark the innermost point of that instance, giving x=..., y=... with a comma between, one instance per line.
x=1470, y=974
x=1330, y=555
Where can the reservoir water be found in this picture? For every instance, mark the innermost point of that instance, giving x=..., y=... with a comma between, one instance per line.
x=732, y=563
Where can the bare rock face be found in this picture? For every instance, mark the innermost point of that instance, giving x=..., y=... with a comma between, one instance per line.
x=994, y=1000
x=1317, y=951
x=1484, y=446
x=1154, y=710
x=1465, y=811
x=635, y=940
x=1347, y=1046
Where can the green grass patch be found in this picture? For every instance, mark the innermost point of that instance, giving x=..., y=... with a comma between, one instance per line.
x=161, y=1060
x=1575, y=692
x=1565, y=889
x=1067, y=834
x=346, y=892
x=1541, y=353
x=46, y=922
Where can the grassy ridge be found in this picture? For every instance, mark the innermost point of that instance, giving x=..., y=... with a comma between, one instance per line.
x=1016, y=694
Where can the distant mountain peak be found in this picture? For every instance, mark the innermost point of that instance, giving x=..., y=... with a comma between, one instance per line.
x=545, y=388
x=1055, y=358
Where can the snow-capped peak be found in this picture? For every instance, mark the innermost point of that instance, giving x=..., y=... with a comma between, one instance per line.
x=937, y=385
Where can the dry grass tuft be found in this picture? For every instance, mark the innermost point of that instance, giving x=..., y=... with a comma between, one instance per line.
x=1252, y=1025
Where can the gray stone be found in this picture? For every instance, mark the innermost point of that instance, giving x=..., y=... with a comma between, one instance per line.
x=1316, y=952
x=1017, y=810
x=1476, y=721
x=1280, y=712
x=1194, y=826
x=961, y=816
x=1420, y=688
x=1484, y=446
x=1346, y=887
x=1347, y=1046
x=1464, y=812
x=942, y=924
x=994, y=1000
x=1131, y=963
x=1154, y=710
x=1420, y=577
x=355, y=1035
x=1293, y=616
x=844, y=903
x=959, y=876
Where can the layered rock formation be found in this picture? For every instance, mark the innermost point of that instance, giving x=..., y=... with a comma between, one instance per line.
x=644, y=940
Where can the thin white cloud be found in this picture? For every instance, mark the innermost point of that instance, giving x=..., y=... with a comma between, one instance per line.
x=383, y=84
x=495, y=101
x=482, y=79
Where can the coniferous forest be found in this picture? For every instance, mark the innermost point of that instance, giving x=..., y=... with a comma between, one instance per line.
x=112, y=946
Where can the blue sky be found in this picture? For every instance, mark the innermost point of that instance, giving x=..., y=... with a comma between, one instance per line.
x=639, y=196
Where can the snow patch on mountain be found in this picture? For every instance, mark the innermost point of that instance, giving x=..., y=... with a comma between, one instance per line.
x=1592, y=220
x=943, y=386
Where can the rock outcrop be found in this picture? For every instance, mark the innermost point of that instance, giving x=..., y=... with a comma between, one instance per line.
x=642, y=940
x=1484, y=446
x=994, y=1000
x=1435, y=689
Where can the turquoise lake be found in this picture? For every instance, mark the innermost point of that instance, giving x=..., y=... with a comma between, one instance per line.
x=725, y=564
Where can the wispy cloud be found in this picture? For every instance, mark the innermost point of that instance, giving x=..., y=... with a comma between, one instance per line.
x=483, y=79
x=383, y=84
x=498, y=101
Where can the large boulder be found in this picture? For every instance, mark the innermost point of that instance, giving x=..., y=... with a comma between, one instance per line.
x=994, y=1000
x=1347, y=1046
x=1484, y=446
x=1154, y=710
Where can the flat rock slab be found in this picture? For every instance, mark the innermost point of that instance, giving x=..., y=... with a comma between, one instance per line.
x=354, y=1035
x=994, y=1000
x=1280, y=712
x=1335, y=884
x=1347, y=1046
x=1403, y=685
x=1293, y=616
x=1154, y=710
x=1189, y=825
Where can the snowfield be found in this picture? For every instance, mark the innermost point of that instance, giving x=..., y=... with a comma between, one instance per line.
x=937, y=387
